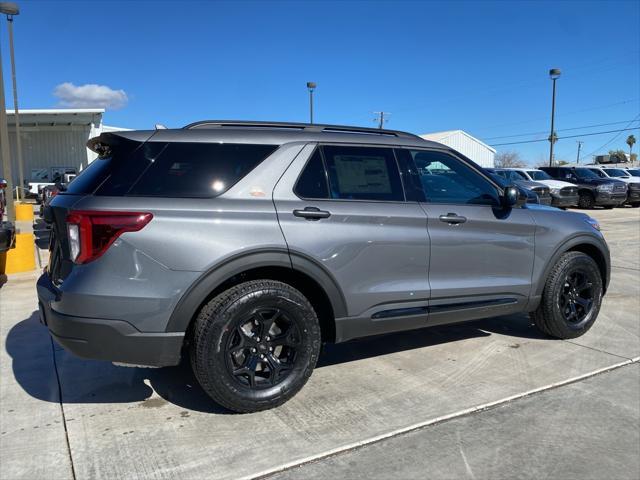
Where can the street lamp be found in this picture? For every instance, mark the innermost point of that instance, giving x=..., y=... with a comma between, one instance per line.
x=554, y=74
x=11, y=9
x=311, y=86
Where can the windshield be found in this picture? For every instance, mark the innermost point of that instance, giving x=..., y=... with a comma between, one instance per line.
x=539, y=175
x=616, y=172
x=585, y=173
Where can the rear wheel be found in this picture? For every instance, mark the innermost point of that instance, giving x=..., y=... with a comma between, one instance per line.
x=586, y=200
x=255, y=345
x=571, y=297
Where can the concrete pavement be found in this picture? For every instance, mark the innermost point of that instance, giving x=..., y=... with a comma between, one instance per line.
x=157, y=423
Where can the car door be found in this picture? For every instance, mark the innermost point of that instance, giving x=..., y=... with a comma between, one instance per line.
x=343, y=208
x=481, y=254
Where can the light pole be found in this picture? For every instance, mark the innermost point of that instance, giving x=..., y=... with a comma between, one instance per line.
x=10, y=10
x=554, y=74
x=311, y=86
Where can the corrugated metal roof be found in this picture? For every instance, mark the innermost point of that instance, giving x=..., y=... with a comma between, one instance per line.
x=56, y=117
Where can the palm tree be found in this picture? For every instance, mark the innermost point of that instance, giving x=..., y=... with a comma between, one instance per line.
x=630, y=141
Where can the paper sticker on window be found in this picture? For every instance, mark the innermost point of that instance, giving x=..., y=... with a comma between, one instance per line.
x=358, y=174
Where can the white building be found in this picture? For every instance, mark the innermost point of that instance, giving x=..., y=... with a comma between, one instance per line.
x=469, y=146
x=54, y=141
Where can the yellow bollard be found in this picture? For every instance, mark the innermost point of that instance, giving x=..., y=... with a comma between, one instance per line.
x=23, y=257
x=24, y=211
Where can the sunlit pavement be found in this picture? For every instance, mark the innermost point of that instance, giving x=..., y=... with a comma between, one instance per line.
x=488, y=399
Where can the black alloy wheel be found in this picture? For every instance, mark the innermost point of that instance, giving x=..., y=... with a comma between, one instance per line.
x=262, y=350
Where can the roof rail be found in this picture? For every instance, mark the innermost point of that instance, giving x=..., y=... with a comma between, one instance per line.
x=308, y=127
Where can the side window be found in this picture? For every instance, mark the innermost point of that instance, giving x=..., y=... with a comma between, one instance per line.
x=363, y=173
x=445, y=179
x=312, y=183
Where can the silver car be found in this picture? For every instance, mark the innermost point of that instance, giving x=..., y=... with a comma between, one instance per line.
x=244, y=246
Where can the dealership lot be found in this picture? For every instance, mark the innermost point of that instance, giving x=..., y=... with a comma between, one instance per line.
x=457, y=401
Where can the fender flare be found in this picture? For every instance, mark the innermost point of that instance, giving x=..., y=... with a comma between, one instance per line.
x=569, y=244
x=201, y=289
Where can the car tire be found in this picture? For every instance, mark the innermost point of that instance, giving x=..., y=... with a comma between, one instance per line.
x=586, y=200
x=255, y=345
x=608, y=207
x=571, y=297
x=635, y=205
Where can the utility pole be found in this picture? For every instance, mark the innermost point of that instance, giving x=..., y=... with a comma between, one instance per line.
x=380, y=118
x=579, y=147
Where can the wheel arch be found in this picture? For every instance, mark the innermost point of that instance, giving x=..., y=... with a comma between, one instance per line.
x=587, y=244
x=304, y=274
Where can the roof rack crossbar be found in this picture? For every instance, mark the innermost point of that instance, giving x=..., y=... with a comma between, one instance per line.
x=310, y=127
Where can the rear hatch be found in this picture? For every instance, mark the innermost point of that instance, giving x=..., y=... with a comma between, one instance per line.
x=116, y=165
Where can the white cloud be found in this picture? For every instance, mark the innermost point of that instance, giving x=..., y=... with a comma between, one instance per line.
x=90, y=96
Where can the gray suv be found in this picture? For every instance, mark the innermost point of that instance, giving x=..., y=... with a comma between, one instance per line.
x=245, y=246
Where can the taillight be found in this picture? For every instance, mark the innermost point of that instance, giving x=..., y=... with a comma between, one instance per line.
x=91, y=232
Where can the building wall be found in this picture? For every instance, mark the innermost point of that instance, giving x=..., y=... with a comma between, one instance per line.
x=471, y=149
x=468, y=146
x=50, y=146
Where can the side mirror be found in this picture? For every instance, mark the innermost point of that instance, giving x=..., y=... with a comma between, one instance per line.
x=512, y=197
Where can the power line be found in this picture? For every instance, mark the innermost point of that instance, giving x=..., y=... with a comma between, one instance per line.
x=615, y=137
x=560, y=130
x=570, y=136
x=564, y=114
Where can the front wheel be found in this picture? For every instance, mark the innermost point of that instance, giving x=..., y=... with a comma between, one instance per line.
x=571, y=297
x=586, y=200
x=255, y=345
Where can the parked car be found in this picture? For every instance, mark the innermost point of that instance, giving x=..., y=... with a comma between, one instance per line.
x=541, y=190
x=46, y=195
x=7, y=229
x=592, y=190
x=245, y=245
x=633, y=183
x=563, y=194
x=532, y=197
x=634, y=172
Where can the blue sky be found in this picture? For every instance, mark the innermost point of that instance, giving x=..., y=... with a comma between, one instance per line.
x=477, y=66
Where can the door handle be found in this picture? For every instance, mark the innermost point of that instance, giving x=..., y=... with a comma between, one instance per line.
x=311, y=213
x=452, y=218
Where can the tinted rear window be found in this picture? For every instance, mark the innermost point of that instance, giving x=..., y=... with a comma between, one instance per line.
x=196, y=170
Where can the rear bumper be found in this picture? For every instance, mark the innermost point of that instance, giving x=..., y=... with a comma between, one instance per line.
x=7, y=236
x=103, y=339
x=569, y=201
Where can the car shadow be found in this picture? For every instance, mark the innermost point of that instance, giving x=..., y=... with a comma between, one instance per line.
x=47, y=377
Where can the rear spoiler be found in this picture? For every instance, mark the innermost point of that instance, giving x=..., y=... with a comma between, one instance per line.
x=100, y=143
